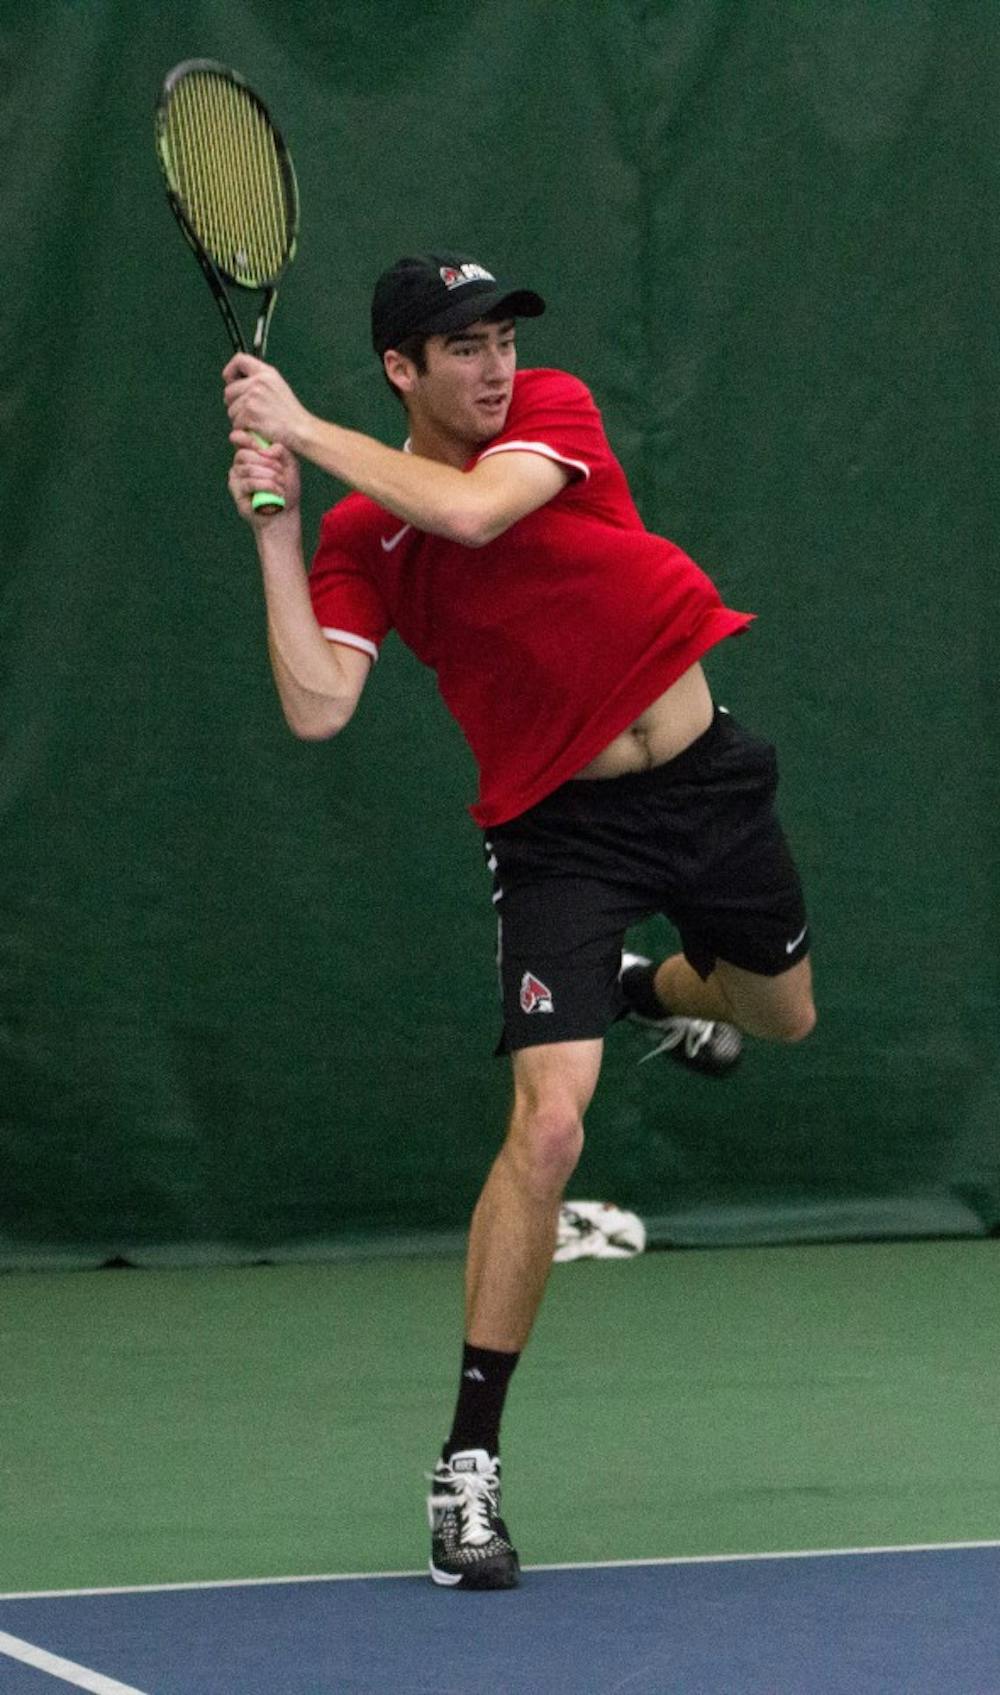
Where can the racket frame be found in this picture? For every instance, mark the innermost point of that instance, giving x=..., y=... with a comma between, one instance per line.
x=215, y=273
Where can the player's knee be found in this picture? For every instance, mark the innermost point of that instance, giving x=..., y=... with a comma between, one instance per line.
x=795, y=1023
x=546, y=1140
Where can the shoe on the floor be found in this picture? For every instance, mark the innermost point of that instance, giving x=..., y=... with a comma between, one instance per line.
x=701, y=1044
x=470, y=1545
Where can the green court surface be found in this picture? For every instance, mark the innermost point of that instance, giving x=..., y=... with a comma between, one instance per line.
x=171, y=1426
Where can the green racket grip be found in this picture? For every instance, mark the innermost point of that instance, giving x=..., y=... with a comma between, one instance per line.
x=263, y=502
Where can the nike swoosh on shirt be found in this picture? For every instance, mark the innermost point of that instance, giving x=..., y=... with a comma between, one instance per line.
x=394, y=541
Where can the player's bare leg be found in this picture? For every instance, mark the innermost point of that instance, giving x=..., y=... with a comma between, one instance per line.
x=511, y=1243
x=513, y=1232
x=682, y=991
x=778, y=1008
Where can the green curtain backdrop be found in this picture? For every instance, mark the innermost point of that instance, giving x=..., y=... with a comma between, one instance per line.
x=247, y=999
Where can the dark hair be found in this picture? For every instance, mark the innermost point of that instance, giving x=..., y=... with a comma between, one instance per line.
x=414, y=348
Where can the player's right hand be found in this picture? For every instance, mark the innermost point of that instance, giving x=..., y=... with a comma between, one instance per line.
x=263, y=470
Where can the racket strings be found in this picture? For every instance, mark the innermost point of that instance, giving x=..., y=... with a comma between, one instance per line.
x=226, y=168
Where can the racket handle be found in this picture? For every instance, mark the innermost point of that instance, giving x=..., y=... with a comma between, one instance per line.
x=264, y=502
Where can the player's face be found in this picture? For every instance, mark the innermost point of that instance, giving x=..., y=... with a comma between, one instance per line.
x=466, y=389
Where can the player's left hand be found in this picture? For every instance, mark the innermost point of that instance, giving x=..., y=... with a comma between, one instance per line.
x=258, y=399
x=263, y=470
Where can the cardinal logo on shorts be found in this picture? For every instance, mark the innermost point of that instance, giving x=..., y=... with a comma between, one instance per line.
x=535, y=997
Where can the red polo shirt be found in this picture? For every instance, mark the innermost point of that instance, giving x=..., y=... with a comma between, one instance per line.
x=548, y=641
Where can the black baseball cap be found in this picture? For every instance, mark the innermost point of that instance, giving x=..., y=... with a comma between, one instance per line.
x=436, y=293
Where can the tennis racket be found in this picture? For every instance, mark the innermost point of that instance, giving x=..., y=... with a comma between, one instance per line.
x=231, y=187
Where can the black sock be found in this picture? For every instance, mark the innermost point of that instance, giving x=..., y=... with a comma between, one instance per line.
x=637, y=987
x=482, y=1391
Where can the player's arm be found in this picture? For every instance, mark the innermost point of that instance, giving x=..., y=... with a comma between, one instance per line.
x=319, y=682
x=472, y=507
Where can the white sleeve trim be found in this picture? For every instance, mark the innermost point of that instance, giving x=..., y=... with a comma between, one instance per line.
x=541, y=447
x=348, y=639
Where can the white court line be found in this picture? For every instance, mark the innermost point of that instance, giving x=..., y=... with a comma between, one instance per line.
x=571, y=1565
x=78, y=1676
x=785, y=1554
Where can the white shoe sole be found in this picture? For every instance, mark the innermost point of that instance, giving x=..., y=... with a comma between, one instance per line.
x=447, y=1579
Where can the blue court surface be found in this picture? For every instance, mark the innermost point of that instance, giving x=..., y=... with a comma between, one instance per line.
x=923, y=1621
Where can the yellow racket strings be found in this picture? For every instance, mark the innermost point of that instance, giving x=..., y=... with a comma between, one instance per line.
x=225, y=166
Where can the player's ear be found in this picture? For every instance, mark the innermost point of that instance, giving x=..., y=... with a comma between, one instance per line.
x=401, y=372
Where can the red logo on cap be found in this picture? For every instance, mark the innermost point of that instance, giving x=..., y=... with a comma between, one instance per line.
x=454, y=275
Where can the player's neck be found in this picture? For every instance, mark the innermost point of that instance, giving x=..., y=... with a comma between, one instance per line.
x=432, y=441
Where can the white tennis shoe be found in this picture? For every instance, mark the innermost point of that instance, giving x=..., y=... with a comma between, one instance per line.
x=470, y=1544
x=705, y=1045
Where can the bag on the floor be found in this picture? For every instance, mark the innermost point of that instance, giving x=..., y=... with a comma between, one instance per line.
x=598, y=1230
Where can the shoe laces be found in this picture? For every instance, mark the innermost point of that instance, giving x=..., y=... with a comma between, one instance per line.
x=476, y=1496
x=695, y=1033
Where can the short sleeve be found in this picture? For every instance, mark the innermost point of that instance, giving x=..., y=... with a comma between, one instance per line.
x=346, y=599
x=554, y=414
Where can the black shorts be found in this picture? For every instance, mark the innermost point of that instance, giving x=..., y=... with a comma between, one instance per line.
x=695, y=839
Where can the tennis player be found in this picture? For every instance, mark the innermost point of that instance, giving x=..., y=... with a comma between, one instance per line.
x=504, y=547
